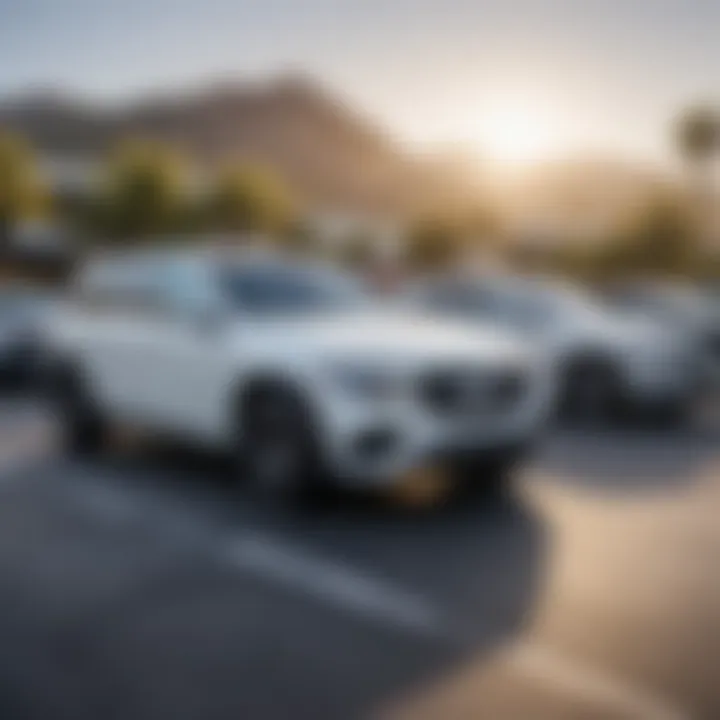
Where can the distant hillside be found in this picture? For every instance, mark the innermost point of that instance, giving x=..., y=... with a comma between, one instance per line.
x=333, y=158
x=328, y=153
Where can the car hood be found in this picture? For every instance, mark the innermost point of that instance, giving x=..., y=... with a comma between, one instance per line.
x=615, y=331
x=395, y=337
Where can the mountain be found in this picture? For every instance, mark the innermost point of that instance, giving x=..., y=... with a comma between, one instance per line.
x=334, y=159
x=328, y=153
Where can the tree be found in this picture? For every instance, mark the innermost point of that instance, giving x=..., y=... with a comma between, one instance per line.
x=658, y=237
x=21, y=190
x=698, y=141
x=359, y=252
x=299, y=237
x=698, y=134
x=250, y=200
x=431, y=244
x=145, y=191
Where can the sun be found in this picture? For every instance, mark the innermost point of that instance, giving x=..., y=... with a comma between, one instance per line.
x=514, y=133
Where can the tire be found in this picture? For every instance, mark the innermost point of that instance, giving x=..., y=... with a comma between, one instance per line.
x=671, y=415
x=489, y=478
x=278, y=456
x=83, y=430
x=591, y=392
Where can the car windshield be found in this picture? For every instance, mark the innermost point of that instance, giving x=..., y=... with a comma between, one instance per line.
x=669, y=303
x=530, y=307
x=536, y=305
x=290, y=290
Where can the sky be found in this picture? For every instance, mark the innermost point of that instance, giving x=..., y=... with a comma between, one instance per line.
x=521, y=80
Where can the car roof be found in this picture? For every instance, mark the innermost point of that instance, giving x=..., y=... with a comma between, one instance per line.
x=497, y=282
x=123, y=265
x=159, y=254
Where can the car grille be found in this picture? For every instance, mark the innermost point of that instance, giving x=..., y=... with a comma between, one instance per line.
x=462, y=393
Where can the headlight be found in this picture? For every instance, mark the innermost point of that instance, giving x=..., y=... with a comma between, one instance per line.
x=364, y=381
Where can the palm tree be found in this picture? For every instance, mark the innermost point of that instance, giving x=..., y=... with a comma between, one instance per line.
x=698, y=140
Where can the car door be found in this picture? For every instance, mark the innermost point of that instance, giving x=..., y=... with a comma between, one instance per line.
x=187, y=351
x=105, y=320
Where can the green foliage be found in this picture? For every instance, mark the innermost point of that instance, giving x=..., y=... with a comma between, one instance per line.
x=298, y=238
x=22, y=194
x=439, y=238
x=659, y=238
x=432, y=244
x=698, y=133
x=358, y=252
x=249, y=200
x=144, y=193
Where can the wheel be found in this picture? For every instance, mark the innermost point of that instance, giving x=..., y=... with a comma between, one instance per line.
x=489, y=477
x=673, y=414
x=591, y=392
x=83, y=430
x=278, y=456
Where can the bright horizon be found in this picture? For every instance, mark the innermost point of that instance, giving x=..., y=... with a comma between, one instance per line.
x=528, y=82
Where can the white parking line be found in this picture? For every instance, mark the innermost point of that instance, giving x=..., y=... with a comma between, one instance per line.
x=278, y=561
x=336, y=584
x=356, y=592
x=569, y=675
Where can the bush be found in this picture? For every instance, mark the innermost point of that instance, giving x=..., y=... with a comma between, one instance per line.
x=250, y=200
x=144, y=192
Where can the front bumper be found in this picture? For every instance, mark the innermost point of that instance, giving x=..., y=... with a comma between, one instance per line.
x=373, y=448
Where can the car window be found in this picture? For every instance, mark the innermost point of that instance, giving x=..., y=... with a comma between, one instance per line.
x=662, y=304
x=517, y=306
x=458, y=299
x=122, y=286
x=495, y=303
x=100, y=286
x=278, y=289
x=187, y=289
x=523, y=308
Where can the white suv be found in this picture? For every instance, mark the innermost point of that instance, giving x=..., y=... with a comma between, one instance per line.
x=605, y=361
x=292, y=366
x=685, y=310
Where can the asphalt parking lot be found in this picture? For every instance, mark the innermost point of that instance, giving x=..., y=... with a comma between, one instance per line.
x=143, y=585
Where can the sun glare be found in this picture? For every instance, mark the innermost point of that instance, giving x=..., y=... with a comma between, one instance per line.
x=514, y=134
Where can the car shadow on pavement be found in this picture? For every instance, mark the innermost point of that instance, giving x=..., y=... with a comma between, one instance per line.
x=630, y=460
x=124, y=606
x=479, y=566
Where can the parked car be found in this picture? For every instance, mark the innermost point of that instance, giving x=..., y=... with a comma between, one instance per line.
x=292, y=367
x=691, y=313
x=22, y=313
x=606, y=363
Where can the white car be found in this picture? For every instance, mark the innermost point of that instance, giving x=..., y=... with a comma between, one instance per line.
x=605, y=362
x=291, y=366
x=22, y=314
x=690, y=312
